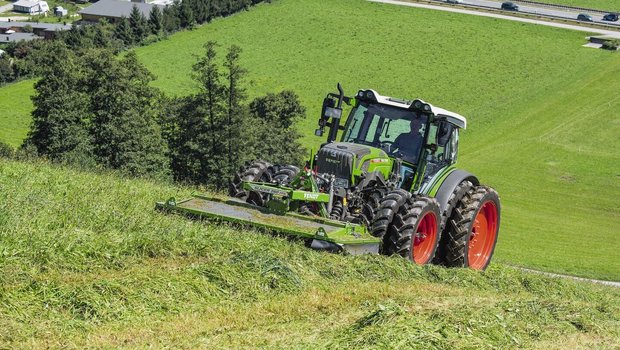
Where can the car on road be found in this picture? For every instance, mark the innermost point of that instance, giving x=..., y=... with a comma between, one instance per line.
x=585, y=17
x=612, y=17
x=510, y=6
x=453, y=1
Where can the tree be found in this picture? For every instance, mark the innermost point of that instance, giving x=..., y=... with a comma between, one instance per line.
x=171, y=17
x=156, y=24
x=138, y=24
x=124, y=33
x=125, y=133
x=59, y=127
x=235, y=95
x=211, y=101
x=273, y=117
x=6, y=70
x=186, y=14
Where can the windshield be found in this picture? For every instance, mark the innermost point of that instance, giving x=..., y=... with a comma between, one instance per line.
x=397, y=131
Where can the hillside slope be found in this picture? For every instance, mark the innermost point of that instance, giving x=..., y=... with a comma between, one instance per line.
x=86, y=261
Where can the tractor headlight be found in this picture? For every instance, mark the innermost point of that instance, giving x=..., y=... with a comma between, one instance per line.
x=417, y=104
x=427, y=108
x=369, y=94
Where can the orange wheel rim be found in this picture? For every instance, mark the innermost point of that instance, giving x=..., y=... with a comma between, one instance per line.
x=425, y=239
x=482, y=238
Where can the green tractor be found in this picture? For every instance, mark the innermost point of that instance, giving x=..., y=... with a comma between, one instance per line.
x=389, y=185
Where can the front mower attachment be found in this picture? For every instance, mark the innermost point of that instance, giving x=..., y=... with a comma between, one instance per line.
x=321, y=233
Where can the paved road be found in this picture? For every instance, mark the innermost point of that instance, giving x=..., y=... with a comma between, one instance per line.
x=541, y=10
x=611, y=33
x=556, y=275
x=14, y=18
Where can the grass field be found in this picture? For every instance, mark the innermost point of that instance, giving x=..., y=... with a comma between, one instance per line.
x=541, y=109
x=86, y=262
x=16, y=107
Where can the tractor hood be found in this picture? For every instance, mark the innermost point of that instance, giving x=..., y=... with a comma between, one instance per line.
x=348, y=160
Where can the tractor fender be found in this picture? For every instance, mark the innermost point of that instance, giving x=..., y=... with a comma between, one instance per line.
x=449, y=184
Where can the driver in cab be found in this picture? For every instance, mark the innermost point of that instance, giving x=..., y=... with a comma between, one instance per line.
x=408, y=144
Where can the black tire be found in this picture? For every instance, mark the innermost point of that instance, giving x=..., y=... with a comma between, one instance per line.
x=473, y=228
x=256, y=171
x=372, y=201
x=388, y=207
x=285, y=174
x=414, y=233
x=455, y=197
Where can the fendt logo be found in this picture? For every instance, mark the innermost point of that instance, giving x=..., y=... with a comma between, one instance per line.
x=311, y=195
x=334, y=161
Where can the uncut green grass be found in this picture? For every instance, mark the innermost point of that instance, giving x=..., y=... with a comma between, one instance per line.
x=15, y=110
x=86, y=262
x=541, y=108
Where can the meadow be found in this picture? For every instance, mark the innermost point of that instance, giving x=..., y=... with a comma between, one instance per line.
x=85, y=262
x=541, y=108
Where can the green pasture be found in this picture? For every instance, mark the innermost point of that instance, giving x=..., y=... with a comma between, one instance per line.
x=541, y=108
x=86, y=262
x=15, y=110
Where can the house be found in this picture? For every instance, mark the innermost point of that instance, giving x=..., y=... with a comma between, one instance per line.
x=12, y=36
x=38, y=30
x=31, y=7
x=113, y=10
x=59, y=11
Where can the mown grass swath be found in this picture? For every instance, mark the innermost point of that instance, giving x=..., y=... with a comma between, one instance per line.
x=86, y=261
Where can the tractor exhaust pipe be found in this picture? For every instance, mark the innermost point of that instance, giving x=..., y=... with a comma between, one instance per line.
x=335, y=124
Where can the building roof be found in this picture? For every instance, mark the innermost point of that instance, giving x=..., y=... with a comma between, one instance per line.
x=43, y=6
x=7, y=38
x=36, y=25
x=116, y=8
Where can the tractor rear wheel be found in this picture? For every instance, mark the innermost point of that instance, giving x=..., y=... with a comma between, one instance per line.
x=455, y=197
x=473, y=228
x=256, y=171
x=414, y=233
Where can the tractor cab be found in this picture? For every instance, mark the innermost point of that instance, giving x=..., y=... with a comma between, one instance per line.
x=407, y=142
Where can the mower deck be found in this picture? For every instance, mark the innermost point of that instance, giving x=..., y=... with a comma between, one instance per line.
x=324, y=234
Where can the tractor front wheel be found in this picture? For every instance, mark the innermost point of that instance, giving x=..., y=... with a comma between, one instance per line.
x=473, y=228
x=414, y=232
x=257, y=171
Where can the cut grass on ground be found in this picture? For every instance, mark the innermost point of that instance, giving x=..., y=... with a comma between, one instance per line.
x=86, y=261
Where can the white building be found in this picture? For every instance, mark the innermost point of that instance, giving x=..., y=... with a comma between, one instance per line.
x=31, y=7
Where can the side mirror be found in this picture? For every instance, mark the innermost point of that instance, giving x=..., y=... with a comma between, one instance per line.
x=444, y=131
x=332, y=112
x=318, y=132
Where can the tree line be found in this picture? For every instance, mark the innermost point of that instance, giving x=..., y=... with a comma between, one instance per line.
x=96, y=110
x=23, y=59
